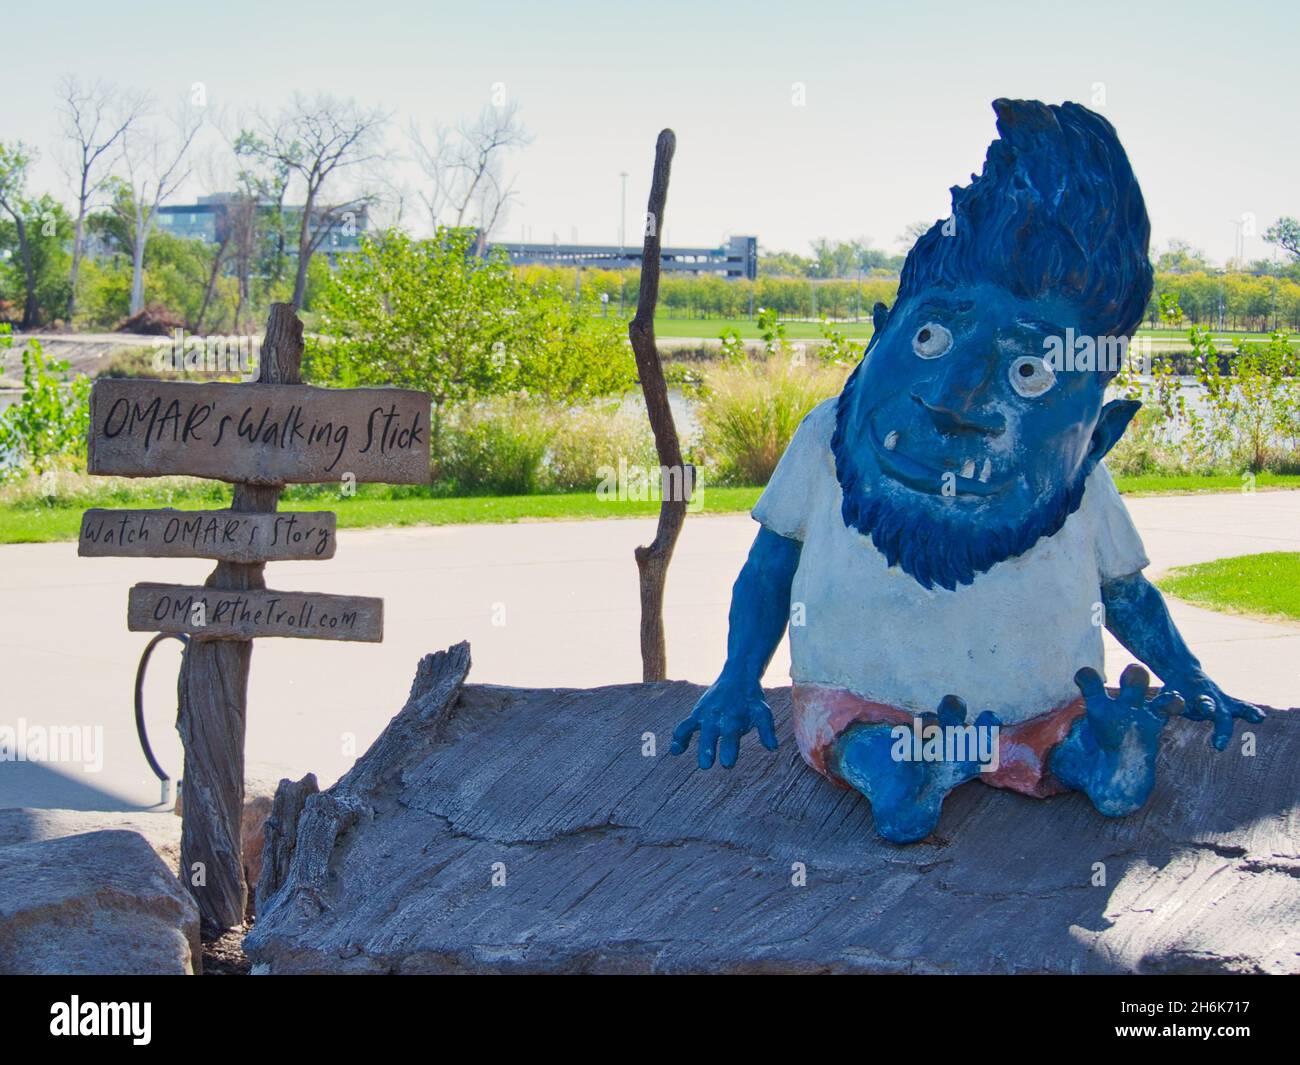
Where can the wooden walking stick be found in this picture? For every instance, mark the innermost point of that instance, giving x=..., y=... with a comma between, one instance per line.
x=677, y=478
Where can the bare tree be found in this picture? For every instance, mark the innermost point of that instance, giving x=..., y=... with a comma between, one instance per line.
x=95, y=118
x=465, y=168
x=156, y=164
x=14, y=162
x=913, y=232
x=241, y=217
x=313, y=140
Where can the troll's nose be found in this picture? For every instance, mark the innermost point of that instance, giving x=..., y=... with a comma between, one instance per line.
x=953, y=419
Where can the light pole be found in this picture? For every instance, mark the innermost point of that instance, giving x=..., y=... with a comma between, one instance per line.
x=622, y=213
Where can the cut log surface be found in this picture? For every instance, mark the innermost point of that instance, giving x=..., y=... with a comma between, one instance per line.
x=499, y=829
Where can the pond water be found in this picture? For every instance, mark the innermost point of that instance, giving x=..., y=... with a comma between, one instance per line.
x=683, y=408
x=7, y=400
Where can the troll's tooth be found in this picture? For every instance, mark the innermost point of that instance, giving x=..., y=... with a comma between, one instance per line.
x=968, y=468
x=984, y=473
x=891, y=440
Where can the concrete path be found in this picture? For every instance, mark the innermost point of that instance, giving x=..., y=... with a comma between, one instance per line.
x=543, y=604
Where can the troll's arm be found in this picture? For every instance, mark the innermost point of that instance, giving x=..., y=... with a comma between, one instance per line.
x=1137, y=616
x=760, y=608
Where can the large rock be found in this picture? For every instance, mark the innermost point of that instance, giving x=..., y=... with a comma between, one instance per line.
x=24, y=825
x=611, y=860
x=97, y=903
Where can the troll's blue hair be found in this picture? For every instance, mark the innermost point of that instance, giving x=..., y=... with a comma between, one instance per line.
x=1056, y=210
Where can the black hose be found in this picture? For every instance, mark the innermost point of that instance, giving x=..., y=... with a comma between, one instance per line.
x=139, y=700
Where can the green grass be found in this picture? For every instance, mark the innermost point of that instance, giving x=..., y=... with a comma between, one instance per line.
x=25, y=524
x=1261, y=585
x=709, y=328
x=1190, y=483
x=378, y=505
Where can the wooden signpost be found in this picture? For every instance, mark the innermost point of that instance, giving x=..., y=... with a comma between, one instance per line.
x=224, y=535
x=260, y=436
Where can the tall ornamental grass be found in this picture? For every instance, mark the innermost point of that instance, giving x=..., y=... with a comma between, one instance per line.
x=749, y=412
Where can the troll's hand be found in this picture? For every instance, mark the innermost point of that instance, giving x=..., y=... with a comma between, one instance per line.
x=724, y=713
x=1206, y=701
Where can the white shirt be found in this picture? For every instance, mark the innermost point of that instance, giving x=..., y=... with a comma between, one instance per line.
x=1010, y=642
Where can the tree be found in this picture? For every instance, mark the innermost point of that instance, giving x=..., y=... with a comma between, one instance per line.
x=913, y=232
x=466, y=170
x=156, y=164
x=1285, y=233
x=44, y=266
x=429, y=314
x=846, y=258
x=783, y=264
x=314, y=140
x=14, y=162
x=95, y=120
x=241, y=215
x=1179, y=257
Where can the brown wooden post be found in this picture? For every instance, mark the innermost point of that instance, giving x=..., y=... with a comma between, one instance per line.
x=652, y=561
x=213, y=694
x=259, y=436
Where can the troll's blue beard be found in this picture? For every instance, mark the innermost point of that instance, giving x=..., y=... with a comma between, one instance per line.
x=935, y=541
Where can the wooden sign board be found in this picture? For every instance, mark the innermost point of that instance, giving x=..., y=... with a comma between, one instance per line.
x=224, y=535
x=258, y=434
x=221, y=614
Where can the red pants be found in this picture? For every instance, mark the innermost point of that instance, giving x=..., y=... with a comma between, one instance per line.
x=821, y=716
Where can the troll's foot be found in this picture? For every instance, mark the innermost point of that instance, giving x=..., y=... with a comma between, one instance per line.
x=906, y=792
x=1110, y=753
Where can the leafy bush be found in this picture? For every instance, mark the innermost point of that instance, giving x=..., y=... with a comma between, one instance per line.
x=1144, y=448
x=1244, y=417
x=733, y=347
x=772, y=330
x=838, y=350
x=494, y=448
x=748, y=414
x=429, y=314
x=1251, y=408
x=48, y=426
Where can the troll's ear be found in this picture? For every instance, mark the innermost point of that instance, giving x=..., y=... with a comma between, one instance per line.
x=1111, y=423
x=879, y=316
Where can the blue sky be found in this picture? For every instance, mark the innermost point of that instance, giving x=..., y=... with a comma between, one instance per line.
x=897, y=97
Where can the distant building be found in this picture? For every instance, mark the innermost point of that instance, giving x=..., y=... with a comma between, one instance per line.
x=205, y=220
x=738, y=258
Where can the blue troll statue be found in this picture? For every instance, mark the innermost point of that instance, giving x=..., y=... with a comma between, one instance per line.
x=943, y=533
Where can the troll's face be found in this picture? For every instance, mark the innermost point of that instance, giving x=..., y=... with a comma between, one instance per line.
x=961, y=440
x=961, y=402
x=964, y=440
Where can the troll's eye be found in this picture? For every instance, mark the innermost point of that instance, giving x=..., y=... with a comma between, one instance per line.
x=1031, y=377
x=931, y=341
